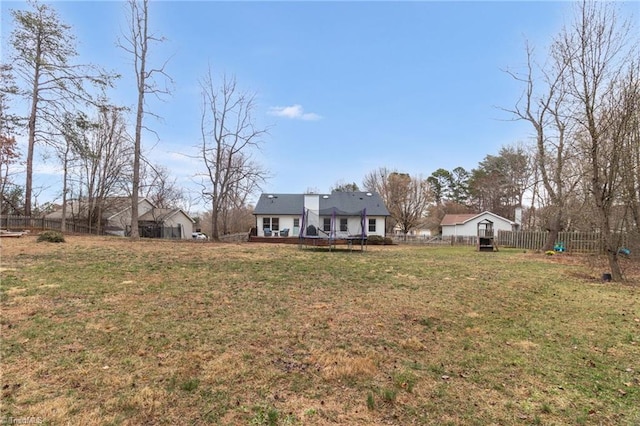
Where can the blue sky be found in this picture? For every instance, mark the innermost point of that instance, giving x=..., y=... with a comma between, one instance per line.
x=345, y=87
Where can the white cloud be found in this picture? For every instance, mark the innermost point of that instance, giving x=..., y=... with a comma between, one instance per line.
x=294, y=112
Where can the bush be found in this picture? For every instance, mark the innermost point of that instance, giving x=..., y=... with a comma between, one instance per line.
x=52, y=237
x=377, y=240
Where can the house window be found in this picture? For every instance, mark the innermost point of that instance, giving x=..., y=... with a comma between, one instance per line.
x=343, y=224
x=326, y=224
x=272, y=223
x=372, y=225
x=296, y=222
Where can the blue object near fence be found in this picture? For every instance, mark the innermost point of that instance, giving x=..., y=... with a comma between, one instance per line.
x=559, y=247
x=625, y=251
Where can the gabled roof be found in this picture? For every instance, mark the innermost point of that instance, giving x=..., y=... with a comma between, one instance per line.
x=344, y=203
x=160, y=215
x=112, y=206
x=119, y=205
x=461, y=219
x=289, y=204
x=456, y=219
x=352, y=203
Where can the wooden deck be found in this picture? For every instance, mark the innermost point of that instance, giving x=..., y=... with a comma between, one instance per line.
x=274, y=240
x=350, y=243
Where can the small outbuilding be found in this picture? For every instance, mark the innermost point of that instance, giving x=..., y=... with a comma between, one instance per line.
x=469, y=225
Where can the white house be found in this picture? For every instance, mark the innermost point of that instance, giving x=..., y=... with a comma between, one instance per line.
x=344, y=213
x=153, y=222
x=466, y=225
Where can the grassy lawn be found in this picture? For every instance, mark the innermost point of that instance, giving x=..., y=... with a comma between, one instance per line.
x=108, y=331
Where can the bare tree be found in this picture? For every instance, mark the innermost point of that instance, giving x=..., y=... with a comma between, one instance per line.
x=631, y=163
x=43, y=50
x=377, y=181
x=102, y=149
x=599, y=51
x=407, y=198
x=546, y=109
x=136, y=42
x=410, y=198
x=229, y=138
x=159, y=187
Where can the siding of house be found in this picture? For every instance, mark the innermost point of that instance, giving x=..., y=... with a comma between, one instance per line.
x=122, y=219
x=284, y=221
x=353, y=224
x=179, y=219
x=288, y=207
x=470, y=227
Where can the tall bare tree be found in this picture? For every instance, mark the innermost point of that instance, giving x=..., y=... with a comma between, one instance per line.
x=229, y=139
x=407, y=197
x=136, y=42
x=544, y=106
x=600, y=51
x=631, y=163
x=44, y=48
x=544, y=112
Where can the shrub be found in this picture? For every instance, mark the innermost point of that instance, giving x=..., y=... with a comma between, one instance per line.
x=52, y=237
x=375, y=240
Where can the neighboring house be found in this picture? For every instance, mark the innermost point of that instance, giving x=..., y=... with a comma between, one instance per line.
x=467, y=225
x=166, y=223
x=284, y=214
x=153, y=222
x=418, y=232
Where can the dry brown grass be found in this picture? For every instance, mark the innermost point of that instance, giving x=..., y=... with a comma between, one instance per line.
x=109, y=331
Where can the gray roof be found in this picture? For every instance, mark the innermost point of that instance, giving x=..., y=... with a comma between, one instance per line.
x=160, y=215
x=344, y=203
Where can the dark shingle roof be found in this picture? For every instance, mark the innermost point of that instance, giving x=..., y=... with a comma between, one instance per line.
x=345, y=203
x=279, y=204
x=352, y=203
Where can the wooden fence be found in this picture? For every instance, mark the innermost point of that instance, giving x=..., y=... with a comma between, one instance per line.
x=573, y=242
x=20, y=223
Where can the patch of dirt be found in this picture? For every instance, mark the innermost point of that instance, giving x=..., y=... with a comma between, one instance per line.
x=597, y=265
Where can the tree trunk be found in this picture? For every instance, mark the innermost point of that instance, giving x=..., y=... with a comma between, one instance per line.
x=63, y=223
x=31, y=139
x=614, y=265
x=215, y=236
x=554, y=228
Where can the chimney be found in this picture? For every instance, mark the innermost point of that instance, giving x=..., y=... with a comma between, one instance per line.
x=518, y=216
